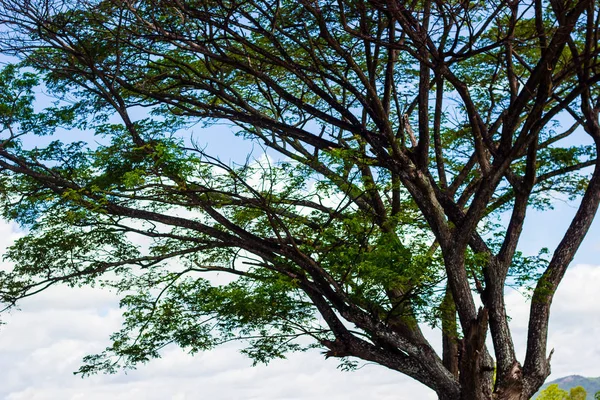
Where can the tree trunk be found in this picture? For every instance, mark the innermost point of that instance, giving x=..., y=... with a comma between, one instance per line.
x=475, y=373
x=485, y=393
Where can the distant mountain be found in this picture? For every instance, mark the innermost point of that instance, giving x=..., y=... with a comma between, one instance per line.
x=591, y=385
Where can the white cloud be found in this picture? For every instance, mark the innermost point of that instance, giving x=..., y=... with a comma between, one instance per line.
x=574, y=323
x=42, y=345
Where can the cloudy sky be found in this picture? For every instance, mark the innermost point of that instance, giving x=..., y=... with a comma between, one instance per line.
x=43, y=343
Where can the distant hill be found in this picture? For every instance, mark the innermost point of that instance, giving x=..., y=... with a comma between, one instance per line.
x=591, y=385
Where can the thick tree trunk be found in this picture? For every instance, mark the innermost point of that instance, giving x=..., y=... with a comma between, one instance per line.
x=516, y=392
x=475, y=367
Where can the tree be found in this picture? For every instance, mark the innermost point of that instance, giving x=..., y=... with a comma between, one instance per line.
x=577, y=393
x=396, y=134
x=553, y=392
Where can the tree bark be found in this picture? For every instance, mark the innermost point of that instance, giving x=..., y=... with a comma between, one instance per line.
x=449, y=334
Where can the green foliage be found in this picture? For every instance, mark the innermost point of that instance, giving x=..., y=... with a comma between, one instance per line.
x=553, y=392
x=577, y=393
x=196, y=315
